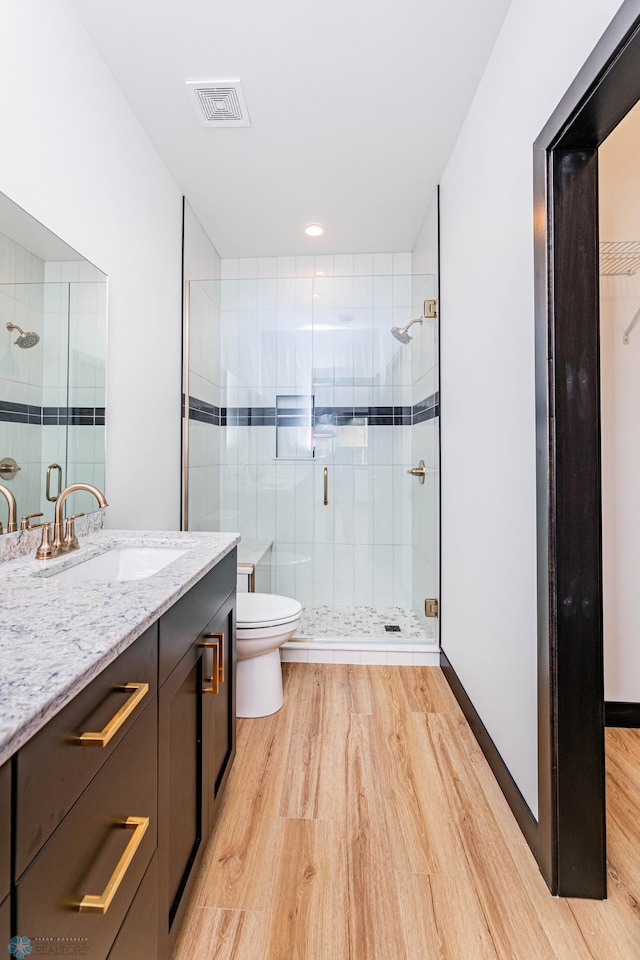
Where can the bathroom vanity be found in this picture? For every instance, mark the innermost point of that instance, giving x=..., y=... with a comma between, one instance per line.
x=117, y=735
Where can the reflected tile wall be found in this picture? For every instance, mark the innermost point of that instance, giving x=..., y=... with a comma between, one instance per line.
x=21, y=302
x=74, y=374
x=64, y=303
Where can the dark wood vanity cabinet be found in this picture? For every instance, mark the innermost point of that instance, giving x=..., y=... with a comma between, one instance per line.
x=196, y=734
x=5, y=921
x=221, y=717
x=138, y=937
x=104, y=844
x=60, y=761
x=5, y=854
x=132, y=809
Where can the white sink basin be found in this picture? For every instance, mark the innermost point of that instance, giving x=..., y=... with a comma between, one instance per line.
x=123, y=563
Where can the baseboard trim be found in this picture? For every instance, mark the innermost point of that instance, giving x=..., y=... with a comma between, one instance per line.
x=519, y=807
x=620, y=713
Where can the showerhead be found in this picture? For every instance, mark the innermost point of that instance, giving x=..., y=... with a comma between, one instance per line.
x=25, y=340
x=400, y=333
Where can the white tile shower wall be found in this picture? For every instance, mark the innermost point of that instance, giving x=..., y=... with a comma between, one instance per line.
x=321, y=325
x=202, y=274
x=425, y=377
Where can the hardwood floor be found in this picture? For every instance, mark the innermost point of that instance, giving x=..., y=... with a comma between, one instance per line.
x=362, y=822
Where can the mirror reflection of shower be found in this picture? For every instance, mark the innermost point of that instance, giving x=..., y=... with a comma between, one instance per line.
x=26, y=340
x=400, y=333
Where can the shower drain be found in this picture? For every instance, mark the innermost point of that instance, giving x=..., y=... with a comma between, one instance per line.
x=392, y=628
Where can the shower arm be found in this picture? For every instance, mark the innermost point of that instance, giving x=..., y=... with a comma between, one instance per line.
x=411, y=323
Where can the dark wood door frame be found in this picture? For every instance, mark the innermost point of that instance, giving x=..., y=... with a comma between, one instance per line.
x=571, y=825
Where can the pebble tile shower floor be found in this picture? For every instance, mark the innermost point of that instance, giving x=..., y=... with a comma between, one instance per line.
x=359, y=623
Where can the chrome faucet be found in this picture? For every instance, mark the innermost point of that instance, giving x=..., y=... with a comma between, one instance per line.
x=11, y=503
x=64, y=541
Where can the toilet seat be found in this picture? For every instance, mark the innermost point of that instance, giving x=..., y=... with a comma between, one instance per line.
x=256, y=611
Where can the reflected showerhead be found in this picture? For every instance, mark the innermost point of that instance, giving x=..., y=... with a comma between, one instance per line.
x=400, y=333
x=25, y=340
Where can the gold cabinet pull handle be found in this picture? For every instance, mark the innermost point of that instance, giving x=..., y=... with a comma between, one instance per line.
x=325, y=472
x=92, y=903
x=215, y=643
x=102, y=738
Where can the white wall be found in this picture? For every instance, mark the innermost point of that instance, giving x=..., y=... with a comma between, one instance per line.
x=487, y=355
x=620, y=404
x=75, y=157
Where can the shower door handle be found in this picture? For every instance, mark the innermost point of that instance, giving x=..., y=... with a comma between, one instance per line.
x=50, y=468
x=325, y=473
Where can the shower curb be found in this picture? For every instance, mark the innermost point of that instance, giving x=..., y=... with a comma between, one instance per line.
x=362, y=651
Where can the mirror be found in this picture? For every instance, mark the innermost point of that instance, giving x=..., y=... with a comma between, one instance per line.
x=53, y=323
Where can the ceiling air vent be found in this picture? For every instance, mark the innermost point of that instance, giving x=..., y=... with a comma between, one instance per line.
x=219, y=103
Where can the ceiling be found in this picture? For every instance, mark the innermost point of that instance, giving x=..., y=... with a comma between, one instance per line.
x=355, y=106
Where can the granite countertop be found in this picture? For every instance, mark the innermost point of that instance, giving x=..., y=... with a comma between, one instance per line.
x=252, y=551
x=57, y=635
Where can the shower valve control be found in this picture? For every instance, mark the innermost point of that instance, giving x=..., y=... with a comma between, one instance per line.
x=420, y=471
x=8, y=468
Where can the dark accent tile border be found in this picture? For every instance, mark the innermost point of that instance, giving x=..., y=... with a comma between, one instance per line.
x=621, y=713
x=519, y=807
x=253, y=417
x=426, y=409
x=51, y=416
x=299, y=416
x=203, y=411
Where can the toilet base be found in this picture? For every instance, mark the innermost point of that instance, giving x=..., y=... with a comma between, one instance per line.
x=259, y=685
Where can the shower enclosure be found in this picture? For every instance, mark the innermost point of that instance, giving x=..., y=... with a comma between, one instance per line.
x=303, y=425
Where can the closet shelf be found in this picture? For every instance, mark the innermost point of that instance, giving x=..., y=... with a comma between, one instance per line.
x=619, y=257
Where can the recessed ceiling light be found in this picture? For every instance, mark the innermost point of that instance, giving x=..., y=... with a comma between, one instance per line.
x=315, y=296
x=314, y=230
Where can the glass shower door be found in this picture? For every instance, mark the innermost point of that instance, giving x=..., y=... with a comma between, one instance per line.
x=363, y=552
x=322, y=413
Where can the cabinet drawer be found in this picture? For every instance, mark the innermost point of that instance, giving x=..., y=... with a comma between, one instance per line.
x=89, y=849
x=5, y=830
x=54, y=767
x=5, y=923
x=180, y=625
x=138, y=937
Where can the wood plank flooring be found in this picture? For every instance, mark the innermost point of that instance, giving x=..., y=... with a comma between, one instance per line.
x=362, y=822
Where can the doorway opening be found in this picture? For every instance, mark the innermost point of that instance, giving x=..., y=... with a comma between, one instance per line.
x=571, y=704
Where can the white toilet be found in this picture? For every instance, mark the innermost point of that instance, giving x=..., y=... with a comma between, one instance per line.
x=264, y=622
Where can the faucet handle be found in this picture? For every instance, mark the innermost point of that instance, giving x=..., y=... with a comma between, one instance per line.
x=25, y=525
x=70, y=539
x=46, y=550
